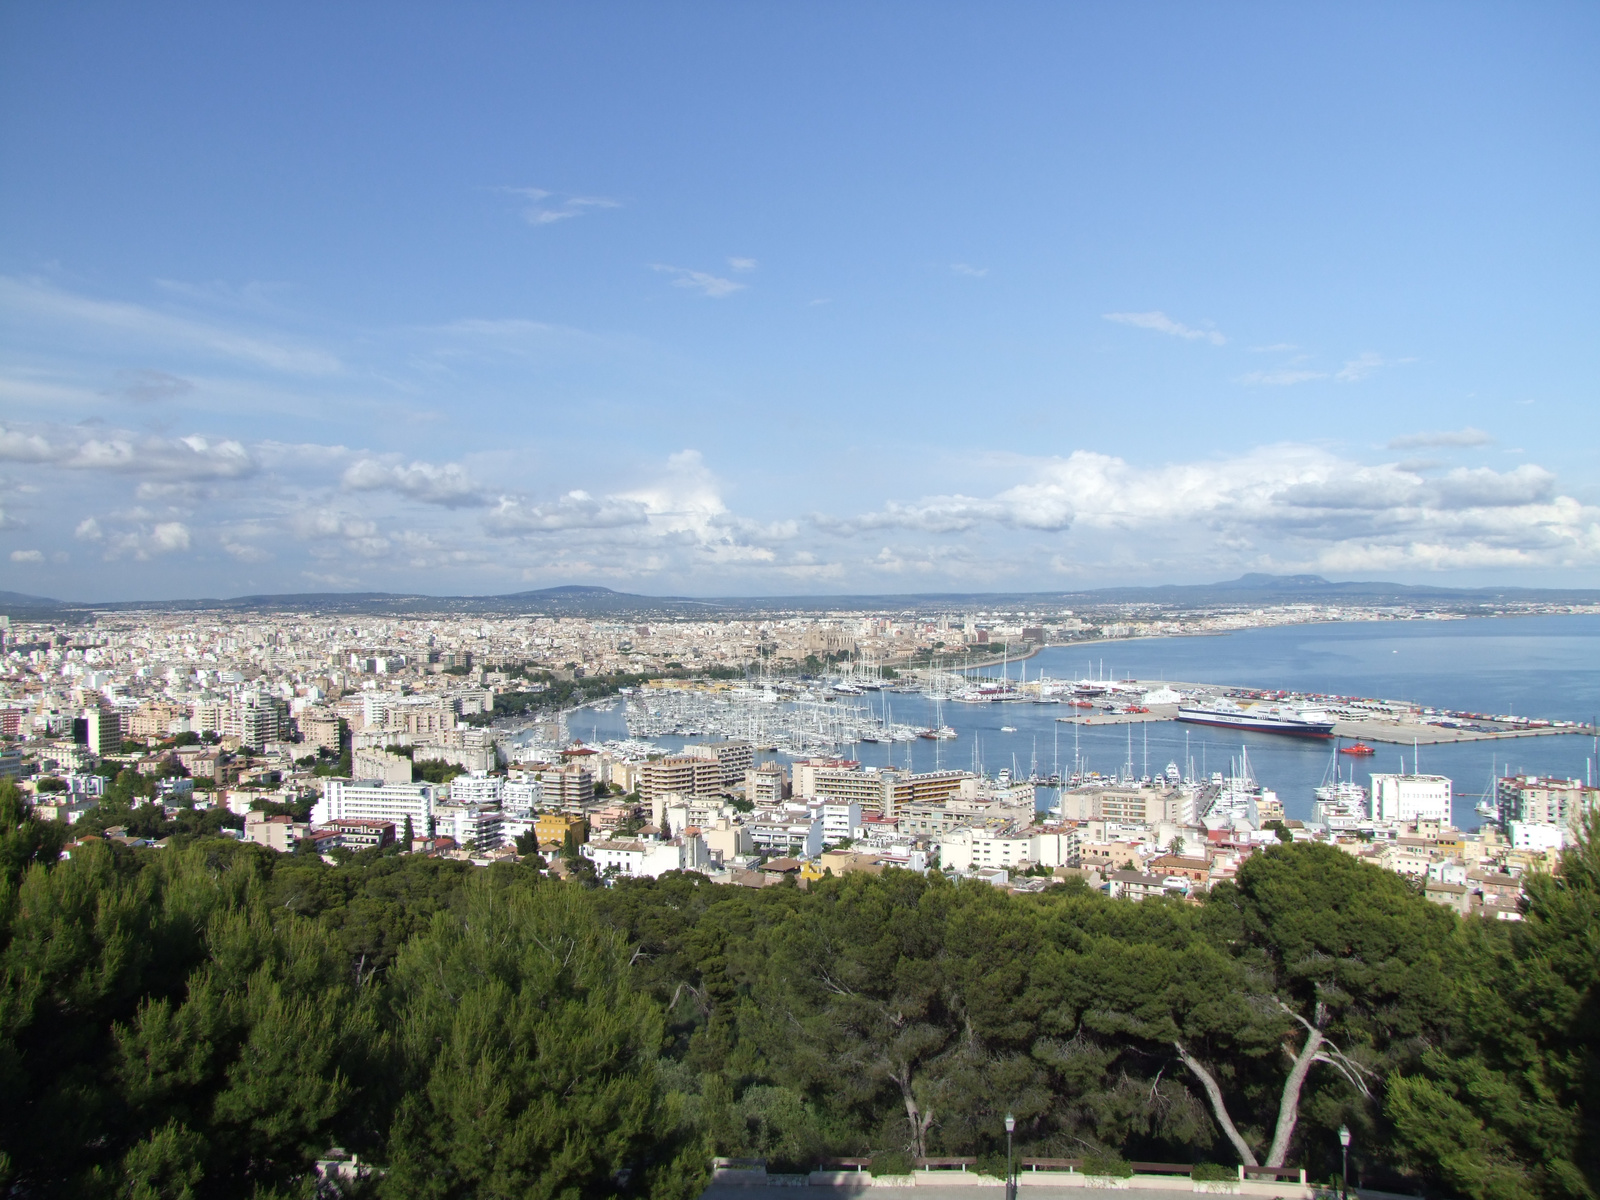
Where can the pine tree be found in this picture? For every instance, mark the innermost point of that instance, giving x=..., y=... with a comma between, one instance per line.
x=533, y=1060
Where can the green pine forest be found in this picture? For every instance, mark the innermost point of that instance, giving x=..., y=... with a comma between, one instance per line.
x=209, y=1019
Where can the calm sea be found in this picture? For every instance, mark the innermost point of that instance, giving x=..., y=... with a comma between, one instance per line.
x=1546, y=666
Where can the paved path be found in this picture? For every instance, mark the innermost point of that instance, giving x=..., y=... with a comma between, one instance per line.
x=934, y=1192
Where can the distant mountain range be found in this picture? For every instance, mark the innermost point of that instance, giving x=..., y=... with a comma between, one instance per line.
x=600, y=601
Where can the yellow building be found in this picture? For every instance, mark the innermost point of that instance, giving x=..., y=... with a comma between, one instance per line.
x=551, y=828
x=840, y=862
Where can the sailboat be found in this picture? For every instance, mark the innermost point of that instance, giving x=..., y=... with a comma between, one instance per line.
x=1488, y=805
x=938, y=731
x=1340, y=804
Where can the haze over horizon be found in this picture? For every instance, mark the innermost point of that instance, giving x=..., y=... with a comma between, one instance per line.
x=723, y=300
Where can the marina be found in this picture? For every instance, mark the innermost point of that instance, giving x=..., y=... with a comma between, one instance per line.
x=1047, y=728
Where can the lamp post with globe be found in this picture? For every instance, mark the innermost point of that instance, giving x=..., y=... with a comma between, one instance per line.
x=1011, y=1180
x=1344, y=1154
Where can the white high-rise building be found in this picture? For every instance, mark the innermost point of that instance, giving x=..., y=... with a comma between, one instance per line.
x=840, y=821
x=376, y=801
x=521, y=793
x=478, y=788
x=473, y=827
x=1405, y=798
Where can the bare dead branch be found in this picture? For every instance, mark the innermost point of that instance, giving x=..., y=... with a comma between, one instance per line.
x=1218, y=1107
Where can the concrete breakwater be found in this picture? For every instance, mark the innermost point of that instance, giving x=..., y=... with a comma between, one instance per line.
x=1373, y=721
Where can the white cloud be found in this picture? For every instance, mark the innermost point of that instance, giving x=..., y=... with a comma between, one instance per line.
x=245, y=552
x=1041, y=506
x=448, y=485
x=1311, y=506
x=30, y=298
x=1161, y=323
x=560, y=208
x=1359, y=368
x=27, y=556
x=713, y=286
x=575, y=510
x=969, y=270
x=133, y=536
x=322, y=522
x=79, y=448
x=742, y=264
x=1282, y=377
x=334, y=534
x=1449, y=437
x=169, y=536
x=679, y=517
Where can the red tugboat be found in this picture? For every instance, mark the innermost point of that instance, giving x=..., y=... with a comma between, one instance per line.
x=1360, y=748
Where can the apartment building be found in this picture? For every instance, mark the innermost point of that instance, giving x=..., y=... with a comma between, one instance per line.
x=727, y=840
x=521, y=792
x=882, y=792
x=734, y=757
x=764, y=785
x=681, y=774
x=680, y=812
x=280, y=833
x=373, y=763
x=1407, y=798
x=839, y=822
x=570, y=787
x=929, y=787
x=360, y=833
x=473, y=826
x=478, y=788
x=552, y=828
x=1136, y=885
x=319, y=730
x=783, y=835
x=977, y=849
x=157, y=720
x=100, y=729
x=1135, y=805
x=255, y=720
x=1536, y=800
x=647, y=857
x=374, y=800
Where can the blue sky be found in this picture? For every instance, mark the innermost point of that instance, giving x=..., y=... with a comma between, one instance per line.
x=745, y=299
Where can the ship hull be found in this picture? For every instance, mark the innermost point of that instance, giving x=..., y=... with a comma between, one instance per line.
x=1304, y=729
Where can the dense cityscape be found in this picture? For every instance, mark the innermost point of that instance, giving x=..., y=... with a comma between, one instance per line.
x=365, y=770
x=448, y=736
x=653, y=602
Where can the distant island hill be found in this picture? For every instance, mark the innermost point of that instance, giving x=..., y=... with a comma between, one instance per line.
x=583, y=600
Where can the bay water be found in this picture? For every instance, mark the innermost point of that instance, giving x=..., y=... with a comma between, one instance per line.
x=1542, y=666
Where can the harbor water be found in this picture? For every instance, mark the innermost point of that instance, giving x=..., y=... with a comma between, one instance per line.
x=1544, y=666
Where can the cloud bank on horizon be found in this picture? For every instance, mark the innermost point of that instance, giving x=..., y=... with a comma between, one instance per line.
x=1040, y=331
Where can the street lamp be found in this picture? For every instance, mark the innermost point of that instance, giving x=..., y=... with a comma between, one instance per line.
x=1344, y=1153
x=1011, y=1182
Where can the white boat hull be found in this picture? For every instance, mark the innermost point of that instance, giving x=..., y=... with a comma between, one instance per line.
x=1257, y=724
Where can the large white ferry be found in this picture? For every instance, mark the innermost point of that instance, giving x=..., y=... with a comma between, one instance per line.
x=1262, y=718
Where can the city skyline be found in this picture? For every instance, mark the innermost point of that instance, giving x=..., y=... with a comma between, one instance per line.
x=737, y=302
